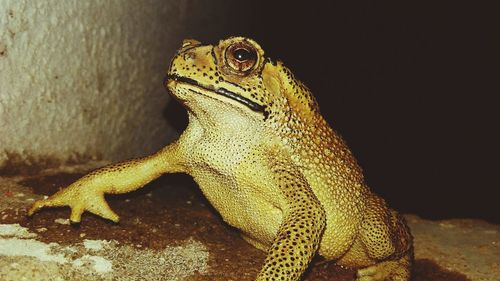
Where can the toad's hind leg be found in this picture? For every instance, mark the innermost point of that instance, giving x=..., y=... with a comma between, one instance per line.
x=393, y=270
x=387, y=241
x=254, y=242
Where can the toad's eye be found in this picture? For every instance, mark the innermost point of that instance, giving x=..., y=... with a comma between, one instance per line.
x=241, y=57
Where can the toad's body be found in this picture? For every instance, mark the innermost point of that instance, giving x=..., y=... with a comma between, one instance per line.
x=268, y=162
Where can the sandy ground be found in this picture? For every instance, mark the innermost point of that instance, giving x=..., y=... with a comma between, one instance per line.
x=168, y=231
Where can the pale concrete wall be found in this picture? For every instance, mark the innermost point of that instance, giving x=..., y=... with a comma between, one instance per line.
x=85, y=77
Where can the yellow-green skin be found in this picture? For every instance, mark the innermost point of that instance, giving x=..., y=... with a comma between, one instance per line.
x=277, y=172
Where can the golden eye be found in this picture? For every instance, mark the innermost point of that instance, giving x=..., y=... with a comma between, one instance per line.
x=241, y=57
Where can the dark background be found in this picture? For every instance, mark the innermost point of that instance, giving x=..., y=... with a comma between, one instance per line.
x=410, y=87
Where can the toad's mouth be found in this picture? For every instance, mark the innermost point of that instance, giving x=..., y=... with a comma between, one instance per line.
x=220, y=91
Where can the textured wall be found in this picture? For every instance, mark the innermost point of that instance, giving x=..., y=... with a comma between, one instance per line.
x=85, y=77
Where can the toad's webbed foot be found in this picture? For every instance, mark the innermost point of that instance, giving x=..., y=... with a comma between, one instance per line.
x=80, y=196
x=394, y=270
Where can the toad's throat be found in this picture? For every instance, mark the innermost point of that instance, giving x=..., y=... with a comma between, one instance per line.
x=221, y=91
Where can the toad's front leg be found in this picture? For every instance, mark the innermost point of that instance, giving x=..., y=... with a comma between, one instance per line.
x=87, y=193
x=304, y=220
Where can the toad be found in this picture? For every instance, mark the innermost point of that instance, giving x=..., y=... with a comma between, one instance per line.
x=267, y=160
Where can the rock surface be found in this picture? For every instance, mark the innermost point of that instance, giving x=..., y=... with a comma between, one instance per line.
x=83, y=79
x=168, y=231
x=471, y=247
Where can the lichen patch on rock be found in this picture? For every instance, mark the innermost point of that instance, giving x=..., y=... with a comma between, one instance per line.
x=106, y=260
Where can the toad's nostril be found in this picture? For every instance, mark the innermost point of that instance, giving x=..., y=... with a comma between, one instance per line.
x=189, y=56
x=190, y=43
